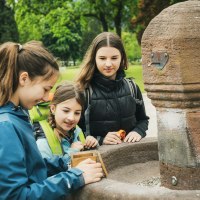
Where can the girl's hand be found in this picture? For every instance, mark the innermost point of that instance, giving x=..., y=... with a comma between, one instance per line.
x=133, y=137
x=112, y=138
x=77, y=145
x=90, y=142
x=92, y=171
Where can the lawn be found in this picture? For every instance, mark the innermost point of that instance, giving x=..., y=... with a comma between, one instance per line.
x=135, y=71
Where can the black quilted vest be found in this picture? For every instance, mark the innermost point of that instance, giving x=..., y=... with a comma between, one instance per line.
x=111, y=105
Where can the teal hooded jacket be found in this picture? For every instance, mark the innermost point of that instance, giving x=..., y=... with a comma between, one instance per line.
x=24, y=174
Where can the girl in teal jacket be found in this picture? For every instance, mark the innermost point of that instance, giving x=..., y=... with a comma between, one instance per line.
x=27, y=75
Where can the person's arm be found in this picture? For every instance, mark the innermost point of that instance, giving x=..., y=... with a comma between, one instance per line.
x=141, y=117
x=57, y=164
x=54, y=164
x=17, y=183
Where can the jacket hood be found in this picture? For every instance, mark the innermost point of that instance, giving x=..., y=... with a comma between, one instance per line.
x=14, y=110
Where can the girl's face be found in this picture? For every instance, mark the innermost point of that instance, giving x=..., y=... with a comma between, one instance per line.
x=67, y=114
x=31, y=92
x=108, y=61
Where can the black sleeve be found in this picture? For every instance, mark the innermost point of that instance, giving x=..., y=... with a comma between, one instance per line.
x=142, y=118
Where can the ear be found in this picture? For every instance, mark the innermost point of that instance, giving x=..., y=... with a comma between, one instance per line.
x=52, y=108
x=24, y=78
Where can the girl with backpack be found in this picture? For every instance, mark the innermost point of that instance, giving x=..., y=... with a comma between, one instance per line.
x=65, y=112
x=27, y=75
x=113, y=103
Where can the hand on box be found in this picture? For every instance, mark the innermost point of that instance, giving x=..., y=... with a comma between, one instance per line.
x=92, y=171
x=77, y=145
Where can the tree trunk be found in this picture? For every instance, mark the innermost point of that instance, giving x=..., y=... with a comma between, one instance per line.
x=118, y=19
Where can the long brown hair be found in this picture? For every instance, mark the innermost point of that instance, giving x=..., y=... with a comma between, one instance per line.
x=105, y=39
x=31, y=57
x=64, y=91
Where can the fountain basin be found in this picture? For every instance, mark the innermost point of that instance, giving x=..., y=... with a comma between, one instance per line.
x=133, y=173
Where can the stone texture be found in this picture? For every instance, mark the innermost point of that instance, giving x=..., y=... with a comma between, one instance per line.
x=133, y=174
x=175, y=89
x=178, y=84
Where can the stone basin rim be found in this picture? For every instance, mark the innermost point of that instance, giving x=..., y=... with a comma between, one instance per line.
x=112, y=189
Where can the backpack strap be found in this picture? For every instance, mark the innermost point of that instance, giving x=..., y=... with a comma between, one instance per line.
x=53, y=141
x=39, y=112
x=133, y=89
x=81, y=136
x=88, y=95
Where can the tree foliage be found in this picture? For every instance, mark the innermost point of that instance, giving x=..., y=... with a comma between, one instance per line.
x=8, y=27
x=133, y=50
x=146, y=11
x=67, y=27
x=112, y=14
x=56, y=23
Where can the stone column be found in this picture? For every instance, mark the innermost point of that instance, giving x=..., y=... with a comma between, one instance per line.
x=171, y=71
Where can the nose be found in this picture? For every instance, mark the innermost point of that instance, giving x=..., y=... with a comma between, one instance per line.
x=71, y=116
x=108, y=63
x=45, y=97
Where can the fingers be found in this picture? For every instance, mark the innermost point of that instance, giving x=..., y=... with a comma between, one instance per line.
x=133, y=137
x=77, y=145
x=90, y=142
x=92, y=171
x=112, y=138
x=88, y=161
x=92, y=176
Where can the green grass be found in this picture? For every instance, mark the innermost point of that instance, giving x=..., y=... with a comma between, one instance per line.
x=135, y=71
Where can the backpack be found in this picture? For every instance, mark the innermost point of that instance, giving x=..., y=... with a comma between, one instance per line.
x=88, y=94
x=39, y=114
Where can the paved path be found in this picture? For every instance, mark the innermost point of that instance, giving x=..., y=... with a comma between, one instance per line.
x=151, y=112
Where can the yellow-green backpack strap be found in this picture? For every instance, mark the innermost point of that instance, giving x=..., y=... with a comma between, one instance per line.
x=81, y=136
x=53, y=141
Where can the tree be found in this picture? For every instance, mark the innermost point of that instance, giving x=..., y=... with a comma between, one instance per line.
x=112, y=14
x=133, y=50
x=56, y=23
x=8, y=28
x=146, y=10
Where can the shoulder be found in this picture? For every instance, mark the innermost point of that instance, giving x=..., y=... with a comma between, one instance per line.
x=44, y=148
x=7, y=130
x=7, y=125
x=77, y=131
x=6, y=118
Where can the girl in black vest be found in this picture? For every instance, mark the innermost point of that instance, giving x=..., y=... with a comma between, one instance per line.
x=111, y=105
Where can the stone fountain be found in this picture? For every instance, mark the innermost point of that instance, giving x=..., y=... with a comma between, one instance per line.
x=167, y=167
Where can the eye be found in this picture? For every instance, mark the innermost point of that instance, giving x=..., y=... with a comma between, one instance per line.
x=46, y=90
x=65, y=111
x=114, y=58
x=78, y=113
x=102, y=58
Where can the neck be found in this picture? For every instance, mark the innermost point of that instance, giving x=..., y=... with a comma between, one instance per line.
x=60, y=134
x=14, y=99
